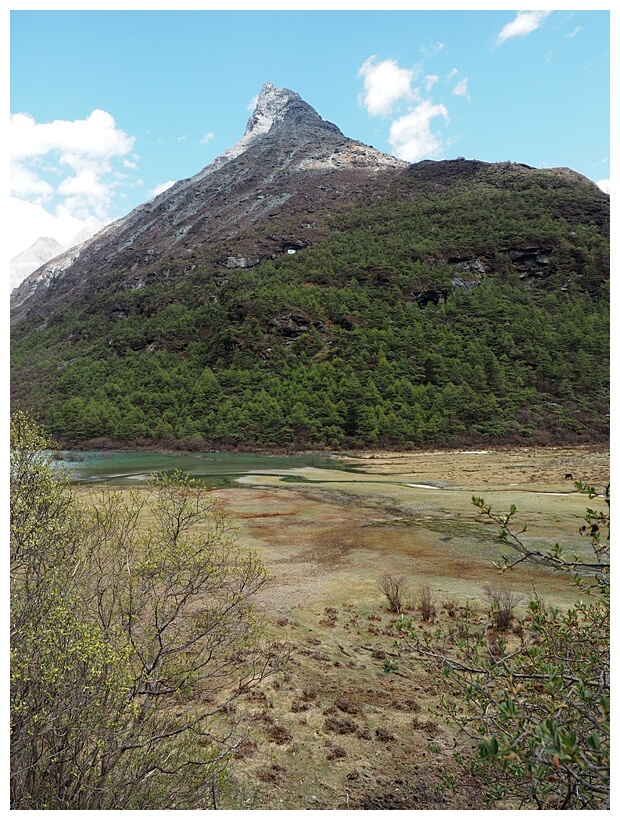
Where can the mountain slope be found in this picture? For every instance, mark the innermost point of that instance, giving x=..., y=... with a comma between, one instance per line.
x=286, y=160
x=307, y=290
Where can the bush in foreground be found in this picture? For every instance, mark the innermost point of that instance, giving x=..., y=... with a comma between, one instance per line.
x=132, y=634
x=536, y=701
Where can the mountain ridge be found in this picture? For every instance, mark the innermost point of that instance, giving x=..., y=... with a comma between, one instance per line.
x=282, y=124
x=309, y=291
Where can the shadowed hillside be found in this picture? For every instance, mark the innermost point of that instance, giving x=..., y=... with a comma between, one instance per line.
x=305, y=290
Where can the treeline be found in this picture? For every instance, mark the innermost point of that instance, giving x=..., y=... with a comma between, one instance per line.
x=375, y=336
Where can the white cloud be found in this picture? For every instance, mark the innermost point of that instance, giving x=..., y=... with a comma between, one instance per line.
x=431, y=79
x=207, y=137
x=29, y=221
x=159, y=189
x=26, y=184
x=411, y=135
x=385, y=84
x=431, y=51
x=77, y=154
x=574, y=32
x=252, y=104
x=524, y=23
x=85, y=194
x=96, y=137
x=460, y=89
x=452, y=74
x=603, y=184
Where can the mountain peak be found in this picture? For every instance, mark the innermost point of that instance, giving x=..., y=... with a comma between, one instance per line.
x=285, y=155
x=276, y=110
x=270, y=107
x=280, y=106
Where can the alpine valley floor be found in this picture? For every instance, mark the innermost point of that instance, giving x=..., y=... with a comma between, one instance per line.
x=336, y=730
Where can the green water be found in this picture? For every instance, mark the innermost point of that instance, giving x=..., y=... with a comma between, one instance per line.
x=214, y=469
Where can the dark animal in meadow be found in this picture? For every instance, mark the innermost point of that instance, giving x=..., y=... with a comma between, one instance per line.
x=592, y=530
x=569, y=476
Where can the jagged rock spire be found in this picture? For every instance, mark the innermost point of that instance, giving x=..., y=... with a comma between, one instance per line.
x=270, y=107
x=282, y=107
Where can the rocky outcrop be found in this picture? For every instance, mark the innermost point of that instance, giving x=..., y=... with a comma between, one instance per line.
x=292, y=326
x=431, y=296
x=469, y=264
x=531, y=263
x=241, y=262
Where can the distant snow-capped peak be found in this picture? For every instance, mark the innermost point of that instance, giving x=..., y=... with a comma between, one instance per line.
x=46, y=248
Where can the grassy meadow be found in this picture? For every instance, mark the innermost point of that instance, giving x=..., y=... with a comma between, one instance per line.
x=335, y=730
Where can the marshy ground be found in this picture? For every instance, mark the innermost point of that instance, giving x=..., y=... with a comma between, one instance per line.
x=335, y=730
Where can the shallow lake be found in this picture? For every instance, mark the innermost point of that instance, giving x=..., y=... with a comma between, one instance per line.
x=214, y=469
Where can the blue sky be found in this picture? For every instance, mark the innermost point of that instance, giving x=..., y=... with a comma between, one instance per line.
x=107, y=107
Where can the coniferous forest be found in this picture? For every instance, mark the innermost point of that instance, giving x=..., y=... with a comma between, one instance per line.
x=460, y=308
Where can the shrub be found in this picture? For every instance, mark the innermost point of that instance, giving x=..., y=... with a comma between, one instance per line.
x=394, y=590
x=451, y=605
x=115, y=627
x=426, y=602
x=502, y=603
x=540, y=712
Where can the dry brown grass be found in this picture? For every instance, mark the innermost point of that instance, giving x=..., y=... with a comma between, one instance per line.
x=336, y=731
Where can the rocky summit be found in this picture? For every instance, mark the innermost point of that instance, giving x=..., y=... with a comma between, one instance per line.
x=289, y=161
x=306, y=290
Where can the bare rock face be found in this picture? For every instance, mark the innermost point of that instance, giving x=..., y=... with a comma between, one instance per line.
x=290, y=165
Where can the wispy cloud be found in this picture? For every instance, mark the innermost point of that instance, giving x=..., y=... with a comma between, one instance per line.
x=71, y=160
x=207, y=138
x=574, y=32
x=431, y=79
x=460, y=89
x=431, y=51
x=411, y=136
x=385, y=83
x=524, y=23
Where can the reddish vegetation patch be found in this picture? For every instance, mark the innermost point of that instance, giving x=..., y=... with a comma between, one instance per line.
x=273, y=774
x=342, y=726
x=279, y=734
x=384, y=734
x=265, y=514
x=336, y=753
x=346, y=705
x=246, y=748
